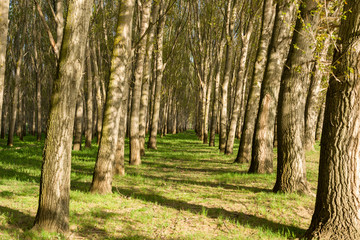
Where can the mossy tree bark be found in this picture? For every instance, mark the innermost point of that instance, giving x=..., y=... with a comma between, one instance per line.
x=53, y=209
x=337, y=209
x=262, y=150
x=4, y=12
x=291, y=172
x=103, y=172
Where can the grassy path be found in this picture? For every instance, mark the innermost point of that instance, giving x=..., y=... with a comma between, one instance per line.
x=184, y=190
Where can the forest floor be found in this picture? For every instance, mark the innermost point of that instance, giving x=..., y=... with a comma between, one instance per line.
x=183, y=190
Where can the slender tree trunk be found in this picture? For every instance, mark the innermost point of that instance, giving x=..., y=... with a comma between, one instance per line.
x=291, y=173
x=240, y=81
x=262, y=151
x=103, y=172
x=89, y=100
x=320, y=121
x=314, y=96
x=119, y=166
x=99, y=96
x=79, y=116
x=337, y=209
x=20, y=121
x=135, y=156
x=146, y=80
x=244, y=154
x=4, y=11
x=226, y=75
x=159, y=75
x=15, y=100
x=53, y=210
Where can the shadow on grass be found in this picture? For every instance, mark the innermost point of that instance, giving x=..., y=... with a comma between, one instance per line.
x=241, y=218
x=16, y=219
x=206, y=184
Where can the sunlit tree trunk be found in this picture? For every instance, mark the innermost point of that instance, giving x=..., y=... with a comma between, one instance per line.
x=53, y=209
x=244, y=153
x=155, y=120
x=103, y=172
x=89, y=100
x=135, y=157
x=262, y=150
x=4, y=12
x=291, y=172
x=79, y=116
x=337, y=208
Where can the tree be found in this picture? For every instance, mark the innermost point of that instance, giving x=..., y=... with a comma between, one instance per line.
x=295, y=80
x=262, y=150
x=135, y=156
x=53, y=209
x=337, y=214
x=103, y=172
x=4, y=12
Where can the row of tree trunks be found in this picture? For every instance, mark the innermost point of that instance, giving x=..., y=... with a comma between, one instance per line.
x=244, y=153
x=262, y=150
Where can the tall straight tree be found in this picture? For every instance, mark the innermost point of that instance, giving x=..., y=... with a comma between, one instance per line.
x=4, y=12
x=267, y=25
x=135, y=156
x=53, y=210
x=262, y=150
x=103, y=172
x=337, y=209
x=155, y=119
x=291, y=172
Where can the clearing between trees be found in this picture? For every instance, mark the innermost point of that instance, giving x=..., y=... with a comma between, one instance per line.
x=183, y=190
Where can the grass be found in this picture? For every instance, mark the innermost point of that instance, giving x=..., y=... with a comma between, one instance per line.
x=183, y=190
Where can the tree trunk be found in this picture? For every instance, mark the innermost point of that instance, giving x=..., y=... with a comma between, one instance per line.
x=119, y=166
x=240, y=81
x=53, y=209
x=291, y=173
x=320, y=121
x=337, y=209
x=89, y=100
x=226, y=75
x=262, y=151
x=159, y=75
x=146, y=80
x=244, y=153
x=135, y=156
x=103, y=172
x=4, y=11
x=79, y=115
x=314, y=96
x=20, y=122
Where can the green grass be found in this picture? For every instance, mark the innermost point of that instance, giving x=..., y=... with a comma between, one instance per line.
x=183, y=190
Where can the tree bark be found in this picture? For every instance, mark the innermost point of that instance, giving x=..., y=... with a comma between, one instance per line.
x=262, y=151
x=103, y=172
x=53, y=209
x=230, y=17
x=244, y=153
x=337, y=209
x=155, y=120
x=4, y=12
x=135, y=156
x=146, y=79
x=291, y=173
x=89, y=100
x=314, y=97
x=79, y=115
x=320, y=121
